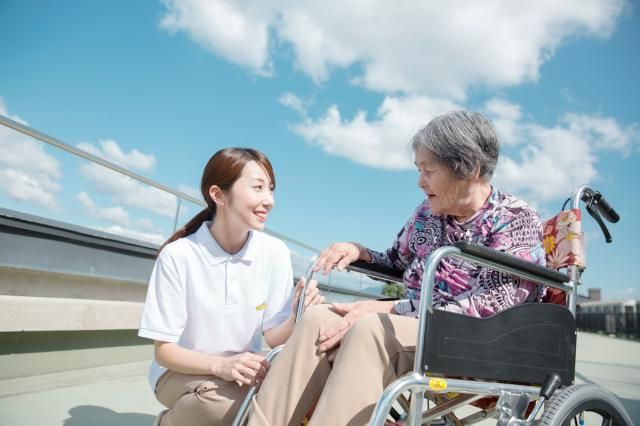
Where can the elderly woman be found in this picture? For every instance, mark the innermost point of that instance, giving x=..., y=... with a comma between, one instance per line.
x=344, y=355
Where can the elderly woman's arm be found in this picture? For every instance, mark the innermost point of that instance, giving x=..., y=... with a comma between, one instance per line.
x=339, y=255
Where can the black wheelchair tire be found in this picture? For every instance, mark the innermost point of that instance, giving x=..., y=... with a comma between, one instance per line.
x=568, y=402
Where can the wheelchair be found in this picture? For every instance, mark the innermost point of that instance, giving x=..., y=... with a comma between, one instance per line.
x=516, y=367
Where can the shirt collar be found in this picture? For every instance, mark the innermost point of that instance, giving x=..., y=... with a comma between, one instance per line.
x=216, y=254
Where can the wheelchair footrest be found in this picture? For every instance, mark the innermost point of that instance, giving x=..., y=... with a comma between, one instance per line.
x=520, y=345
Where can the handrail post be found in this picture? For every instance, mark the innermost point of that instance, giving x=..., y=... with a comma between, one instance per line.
x=175, y=220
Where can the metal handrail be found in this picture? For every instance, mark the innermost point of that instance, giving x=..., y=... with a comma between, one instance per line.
x=50, y=140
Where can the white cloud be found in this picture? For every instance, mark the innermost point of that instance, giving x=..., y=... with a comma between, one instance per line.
x=121, y=222
x=238, y=31
x=604, y=132
x=190, y=190
x=505, y=116
x=151, y=237
x=116, y=215
x=122, y=189
x=128, y=192
x=544, y=163
x=381, y=142
x=418, y=47
x=539, y=163
x=146, y=224
x=27, y=172
x=22, y=186
x=290, y=100
x=111, y=151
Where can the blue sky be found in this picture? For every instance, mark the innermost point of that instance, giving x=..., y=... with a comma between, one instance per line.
x=331, y=93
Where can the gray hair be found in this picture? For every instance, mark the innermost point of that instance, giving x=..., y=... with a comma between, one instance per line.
x=462, y=141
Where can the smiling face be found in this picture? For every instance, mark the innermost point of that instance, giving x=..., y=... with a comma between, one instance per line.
x=447, y=194
x=250, y=199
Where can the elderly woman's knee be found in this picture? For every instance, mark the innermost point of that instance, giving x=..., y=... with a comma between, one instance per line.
x=367, y=327
x=316, y=317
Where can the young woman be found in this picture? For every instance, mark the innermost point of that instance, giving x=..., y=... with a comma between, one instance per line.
x=218, y=286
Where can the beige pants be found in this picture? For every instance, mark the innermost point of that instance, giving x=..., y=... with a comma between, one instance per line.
x=198, y=400
x=374, y=352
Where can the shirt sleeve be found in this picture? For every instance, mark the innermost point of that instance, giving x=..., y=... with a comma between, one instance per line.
x=496, y=291
x=281, y=288
x=398, y=256
x=165, y=314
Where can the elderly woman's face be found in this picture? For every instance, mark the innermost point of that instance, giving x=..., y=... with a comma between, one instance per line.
x=443, y=189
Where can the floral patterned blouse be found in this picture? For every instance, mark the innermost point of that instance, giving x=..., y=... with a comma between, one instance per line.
x=503, y=223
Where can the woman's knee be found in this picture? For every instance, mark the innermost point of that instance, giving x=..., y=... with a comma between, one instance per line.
x=365, y=329
x=367, y=325
x=317, y=317
x=203, y=407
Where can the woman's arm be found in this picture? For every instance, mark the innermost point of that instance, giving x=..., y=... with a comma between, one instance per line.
x=279, y=334
x=243, y=368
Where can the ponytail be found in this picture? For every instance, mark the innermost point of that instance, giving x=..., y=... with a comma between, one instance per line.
x=192, y=226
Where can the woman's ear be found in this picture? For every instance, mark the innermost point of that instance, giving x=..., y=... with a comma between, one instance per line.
x=475, y=175
x=217, y=195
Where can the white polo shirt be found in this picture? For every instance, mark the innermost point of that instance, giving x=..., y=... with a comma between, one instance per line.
x=206, y=300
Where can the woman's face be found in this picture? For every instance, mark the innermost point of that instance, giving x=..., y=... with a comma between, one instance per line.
x=446, y=192
x=250, y=198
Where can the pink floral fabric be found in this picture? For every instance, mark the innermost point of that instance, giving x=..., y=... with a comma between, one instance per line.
x=563, y=246
x=563, y=240
x=504, y=223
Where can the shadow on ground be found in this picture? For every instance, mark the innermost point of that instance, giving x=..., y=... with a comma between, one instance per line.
x=92, y=415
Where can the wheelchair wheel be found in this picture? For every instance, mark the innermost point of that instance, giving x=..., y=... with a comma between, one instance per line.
x=589, y=399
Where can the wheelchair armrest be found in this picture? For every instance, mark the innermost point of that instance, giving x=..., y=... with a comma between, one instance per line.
x=512, y=261
x=377, y=271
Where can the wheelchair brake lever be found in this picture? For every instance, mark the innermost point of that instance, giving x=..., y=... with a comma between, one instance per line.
x=596, y=216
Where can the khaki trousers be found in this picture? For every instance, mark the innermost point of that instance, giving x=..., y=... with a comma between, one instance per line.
x=375, y=351
x=198, y=400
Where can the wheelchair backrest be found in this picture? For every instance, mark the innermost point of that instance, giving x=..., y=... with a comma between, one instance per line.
x=563, y=244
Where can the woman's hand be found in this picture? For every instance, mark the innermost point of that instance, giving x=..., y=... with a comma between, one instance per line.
x=245, y=368
x=351, y=312
x=339, y=255
x=312, y=295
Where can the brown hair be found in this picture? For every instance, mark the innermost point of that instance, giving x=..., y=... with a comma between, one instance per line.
x=222, y=170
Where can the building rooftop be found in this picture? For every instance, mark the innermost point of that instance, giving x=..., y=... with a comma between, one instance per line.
x=120, y=394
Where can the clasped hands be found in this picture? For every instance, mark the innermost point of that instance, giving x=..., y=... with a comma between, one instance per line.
x=339, y=256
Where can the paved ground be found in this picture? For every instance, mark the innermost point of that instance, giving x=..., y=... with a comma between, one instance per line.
x=120, y=395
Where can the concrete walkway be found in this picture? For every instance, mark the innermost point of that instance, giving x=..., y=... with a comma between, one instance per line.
x=120, y=395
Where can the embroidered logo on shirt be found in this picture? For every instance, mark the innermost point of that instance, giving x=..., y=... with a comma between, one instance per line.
x=261, y=306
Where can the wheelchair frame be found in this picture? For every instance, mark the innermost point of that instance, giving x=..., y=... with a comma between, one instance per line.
x=509, y=406
x=513, y=399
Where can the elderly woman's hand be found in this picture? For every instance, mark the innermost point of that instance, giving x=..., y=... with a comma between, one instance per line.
x=351, y=312
x=340, y=255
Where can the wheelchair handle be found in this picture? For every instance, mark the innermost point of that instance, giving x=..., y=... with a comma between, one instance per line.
x=604, y=208
x=597, y=206
x=307, y=277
